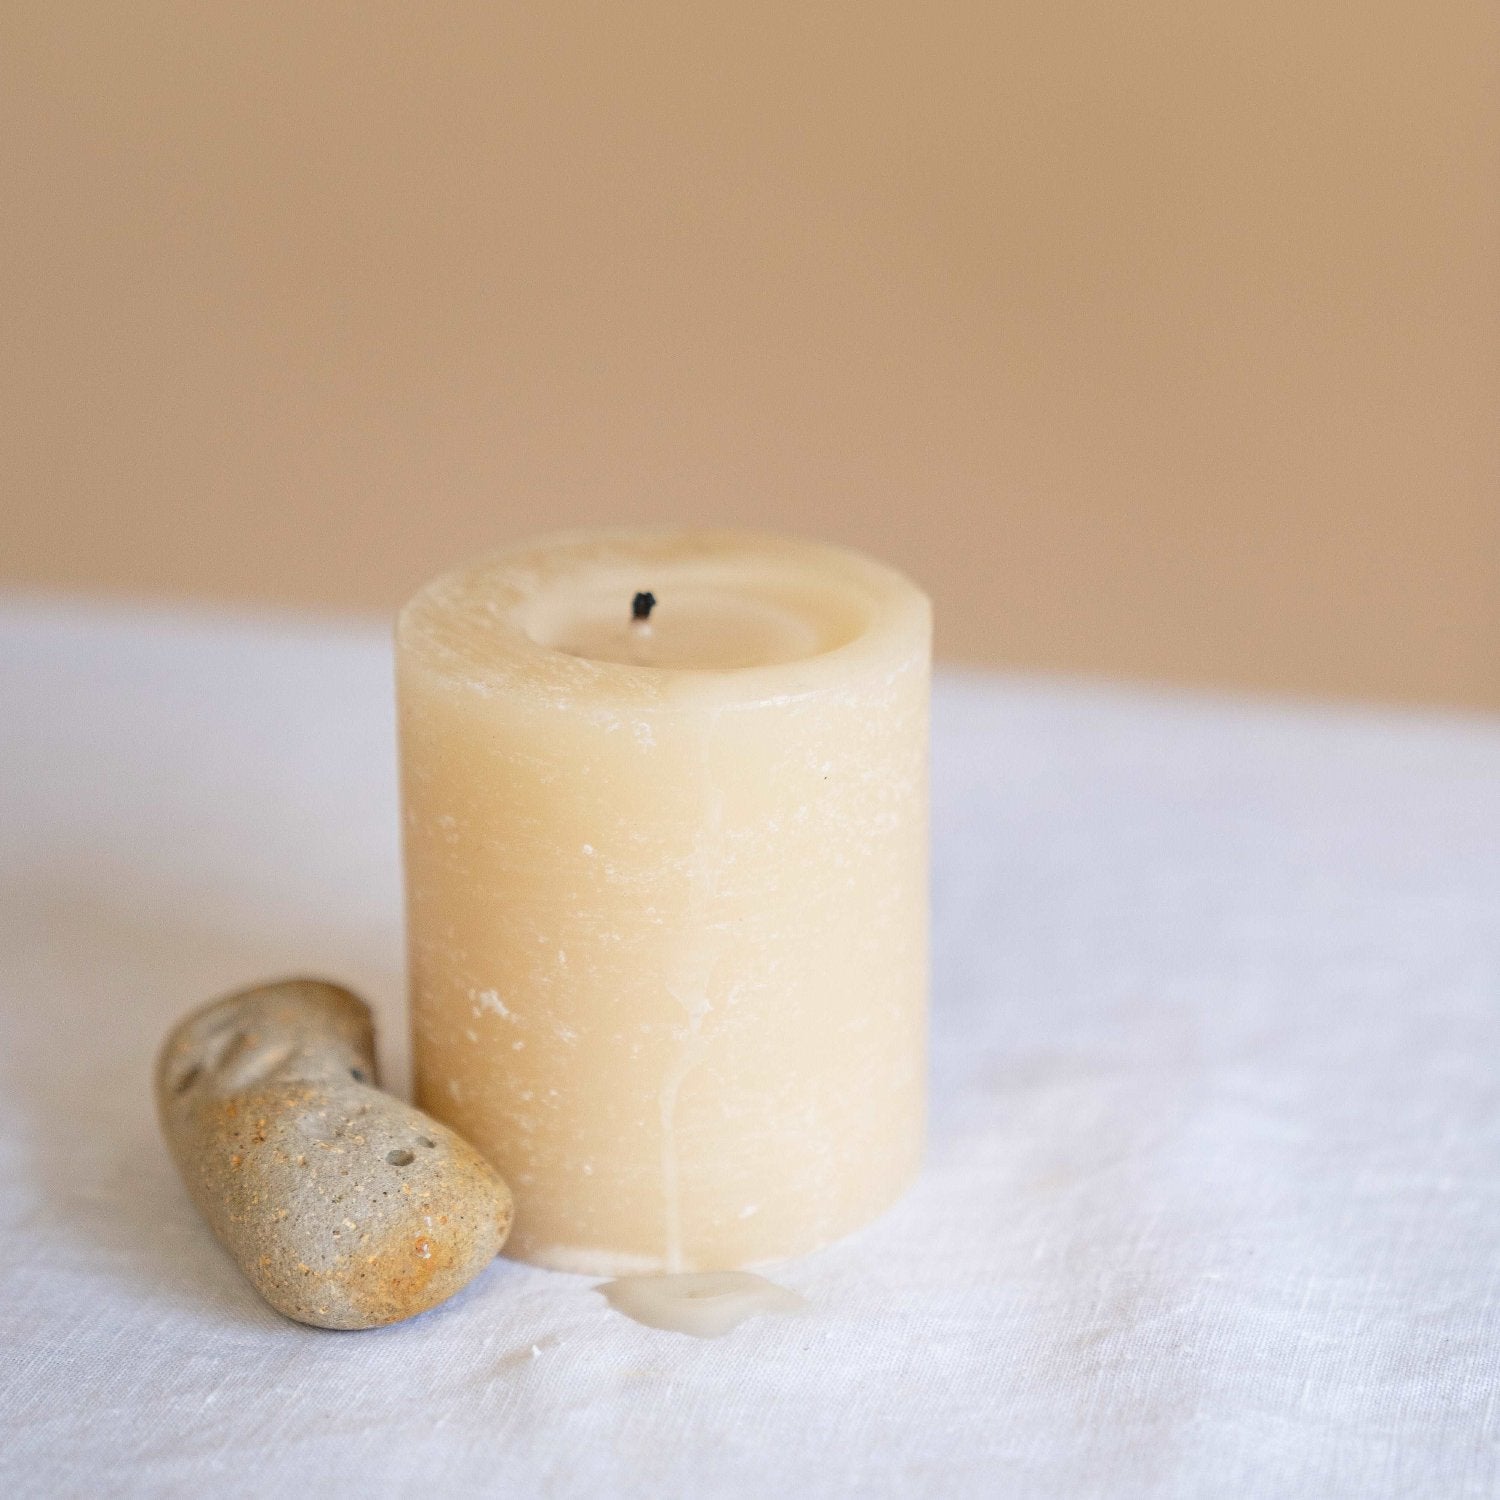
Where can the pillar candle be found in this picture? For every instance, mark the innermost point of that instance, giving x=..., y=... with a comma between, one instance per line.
x=665, y=815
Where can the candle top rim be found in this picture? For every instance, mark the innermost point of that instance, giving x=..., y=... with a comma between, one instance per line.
x=469, y=623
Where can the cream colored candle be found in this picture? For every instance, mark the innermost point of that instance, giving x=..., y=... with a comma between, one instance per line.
x=667, y=889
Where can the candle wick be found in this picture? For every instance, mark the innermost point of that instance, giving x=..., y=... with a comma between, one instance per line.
x=642, y=605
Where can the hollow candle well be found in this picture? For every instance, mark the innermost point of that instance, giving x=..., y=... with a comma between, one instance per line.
x=667, y=888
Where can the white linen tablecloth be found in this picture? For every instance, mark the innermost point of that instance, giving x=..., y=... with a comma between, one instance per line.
x=1212, y=1204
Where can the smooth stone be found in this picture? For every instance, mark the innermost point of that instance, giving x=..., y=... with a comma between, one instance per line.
x=343, y=1205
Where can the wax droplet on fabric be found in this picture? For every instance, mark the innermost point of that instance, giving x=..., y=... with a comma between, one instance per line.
x=705, y=1304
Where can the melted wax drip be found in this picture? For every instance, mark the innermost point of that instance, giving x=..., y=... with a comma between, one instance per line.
x=706, y=1304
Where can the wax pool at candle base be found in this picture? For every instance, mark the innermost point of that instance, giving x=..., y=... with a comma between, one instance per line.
x=706, y=1304
x=667, y=918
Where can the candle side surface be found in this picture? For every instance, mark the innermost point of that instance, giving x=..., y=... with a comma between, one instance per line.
x=668, y=927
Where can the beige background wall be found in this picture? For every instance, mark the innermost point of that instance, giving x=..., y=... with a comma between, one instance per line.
x=1156, y=338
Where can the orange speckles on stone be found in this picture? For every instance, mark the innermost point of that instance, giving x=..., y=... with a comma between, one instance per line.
x=284, y=1213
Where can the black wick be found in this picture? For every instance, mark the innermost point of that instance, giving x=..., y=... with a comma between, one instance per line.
x=641, y=606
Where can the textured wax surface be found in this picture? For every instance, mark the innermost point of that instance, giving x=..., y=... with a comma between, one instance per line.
x=668, y=930
x=1212, y=1200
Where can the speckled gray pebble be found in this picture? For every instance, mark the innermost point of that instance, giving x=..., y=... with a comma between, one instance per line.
x=344, y=1206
